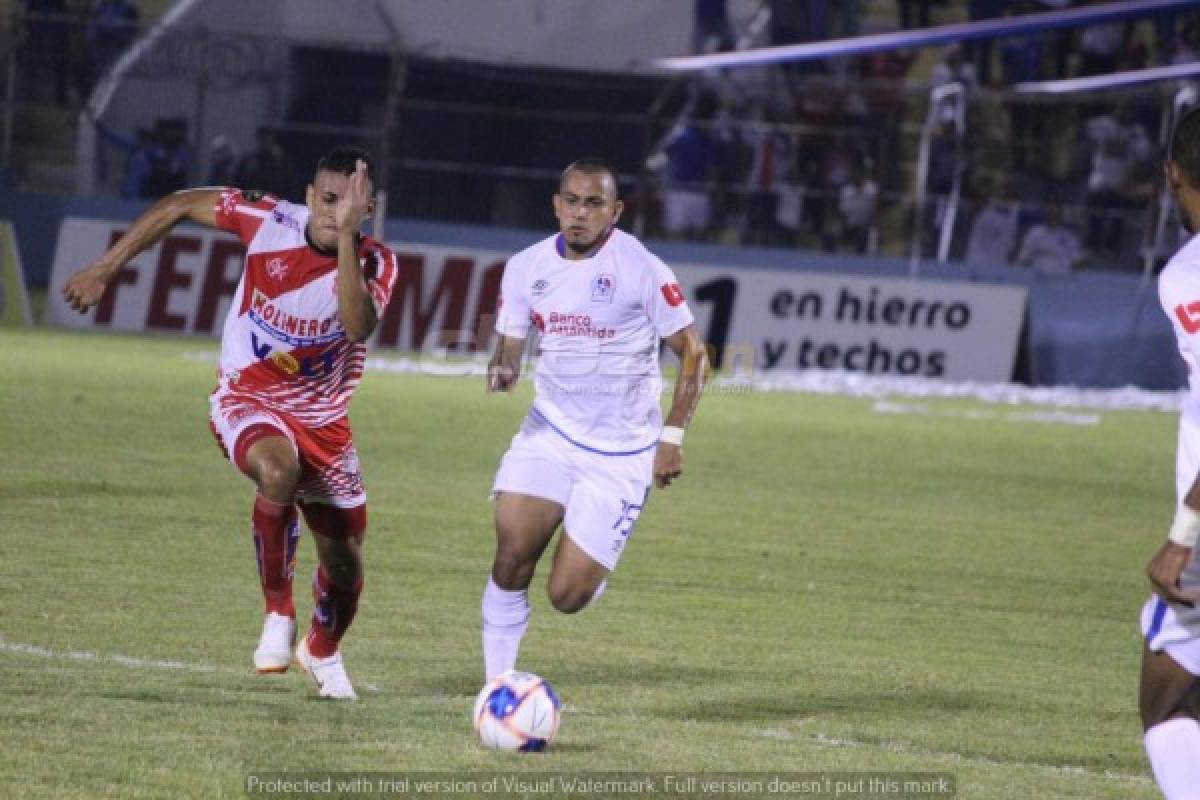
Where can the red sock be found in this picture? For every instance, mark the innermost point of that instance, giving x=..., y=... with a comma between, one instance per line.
x=276, y=533
x=333, y=611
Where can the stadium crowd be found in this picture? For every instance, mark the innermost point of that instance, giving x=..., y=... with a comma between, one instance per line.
x=821, y=154
x=811, y=155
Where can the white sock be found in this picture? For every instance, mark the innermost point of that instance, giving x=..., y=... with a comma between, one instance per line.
x=505, y=618
x=1174, y=750
x=596, y=595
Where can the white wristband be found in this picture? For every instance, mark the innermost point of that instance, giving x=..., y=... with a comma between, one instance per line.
x=1185, y=530
x=673, y=434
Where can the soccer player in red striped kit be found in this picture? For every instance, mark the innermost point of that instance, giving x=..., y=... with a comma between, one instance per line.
x=292, y=352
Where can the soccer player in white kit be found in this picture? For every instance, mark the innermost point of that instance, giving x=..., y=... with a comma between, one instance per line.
x=292, y=353
x=1170, y=682
x=593, y=442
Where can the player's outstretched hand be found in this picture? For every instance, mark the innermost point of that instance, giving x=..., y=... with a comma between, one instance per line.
x=668, y=464
x=501, y=378
x=353, y=205
x=85, y=288
x=1164, y=570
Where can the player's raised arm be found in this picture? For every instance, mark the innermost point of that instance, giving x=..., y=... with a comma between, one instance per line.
x=1168, y=564
x=505, y=366
x=693, y=368
x=355, y=307
x=85, y=288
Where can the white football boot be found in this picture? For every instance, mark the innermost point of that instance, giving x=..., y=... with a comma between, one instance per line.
x=329, y=673
x=274, y=652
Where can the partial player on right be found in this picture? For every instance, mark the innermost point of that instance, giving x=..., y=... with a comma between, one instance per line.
x=1170, y=682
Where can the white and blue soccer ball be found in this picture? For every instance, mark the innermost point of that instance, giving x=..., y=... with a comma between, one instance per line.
x=517, y=711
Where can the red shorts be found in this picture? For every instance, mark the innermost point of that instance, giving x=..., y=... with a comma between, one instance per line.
x=329, y=471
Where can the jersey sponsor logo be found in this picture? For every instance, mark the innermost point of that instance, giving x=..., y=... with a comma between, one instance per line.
x=285, y=361
x=561, y=324
x=1189, y=316
x=672, y=294
x=604, y=286
x=539, y=287
x=276, y=269
x=309, y=367
x=288, y=328
x=538, y=321
x=286, y=220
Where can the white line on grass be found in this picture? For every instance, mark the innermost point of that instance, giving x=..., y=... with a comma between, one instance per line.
x=85, y=655
x=975, y=760
x=129, y=661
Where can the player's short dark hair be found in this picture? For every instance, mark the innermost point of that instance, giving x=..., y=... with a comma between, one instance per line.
x=592, y=166
x=1185, y=146
x=344, y=158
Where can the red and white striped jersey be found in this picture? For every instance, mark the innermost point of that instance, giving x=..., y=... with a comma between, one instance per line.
x=283, y=343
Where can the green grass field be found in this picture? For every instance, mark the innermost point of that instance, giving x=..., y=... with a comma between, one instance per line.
x=828, y=588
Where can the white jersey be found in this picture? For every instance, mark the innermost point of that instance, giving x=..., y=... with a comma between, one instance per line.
x=1179, y=294
x=599, y=320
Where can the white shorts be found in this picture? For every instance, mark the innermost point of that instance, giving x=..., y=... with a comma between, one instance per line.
x=603, y=494
x=1176, y=629
x=685, y=210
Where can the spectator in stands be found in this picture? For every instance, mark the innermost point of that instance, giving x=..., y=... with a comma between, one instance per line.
x=980, y=52
x=789, y=208
x=1119, y=147
x=1100, y=48
x=713, y=31
x=731, y=160
x=1063, y=38
x=858, y=210
x=1021, y=57
x=112, y=26
x=266, y=167
x=954, y=69
x=1050, y=247
x=773, y=158
x=990, y=128
x=690, y=161
x=1186, y=46
x=1134, y=53
x=170, y=160
x=884, y=74
x=139, y=155
x=993, y=235
x=222, y=161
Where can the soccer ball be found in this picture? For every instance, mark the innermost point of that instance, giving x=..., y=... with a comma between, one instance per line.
x=516, y=711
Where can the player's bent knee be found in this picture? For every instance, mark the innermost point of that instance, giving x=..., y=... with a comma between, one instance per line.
x=568, y=599
x=512, y=570
x=345, y=574
x=277, y=477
